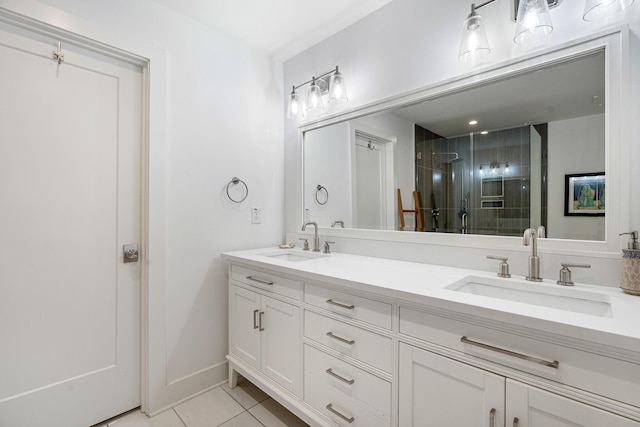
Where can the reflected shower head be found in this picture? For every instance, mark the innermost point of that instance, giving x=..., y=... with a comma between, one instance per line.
x=446, y=158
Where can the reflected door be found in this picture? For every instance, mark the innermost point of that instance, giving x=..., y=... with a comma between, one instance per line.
x=370, y=184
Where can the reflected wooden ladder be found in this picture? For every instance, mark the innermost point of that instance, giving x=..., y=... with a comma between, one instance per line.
x=401, y=212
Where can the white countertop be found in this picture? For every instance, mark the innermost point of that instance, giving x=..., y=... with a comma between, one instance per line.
x=419, y=283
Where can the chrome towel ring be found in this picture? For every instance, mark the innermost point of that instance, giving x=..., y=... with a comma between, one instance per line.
x=319, y=190
x=237, y=181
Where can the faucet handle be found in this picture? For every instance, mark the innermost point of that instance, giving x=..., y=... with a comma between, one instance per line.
x=306, y=244
x=565, y=273
x=327, y=248
x=504, y=266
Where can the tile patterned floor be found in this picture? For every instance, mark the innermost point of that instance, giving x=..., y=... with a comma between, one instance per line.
x=244, y=406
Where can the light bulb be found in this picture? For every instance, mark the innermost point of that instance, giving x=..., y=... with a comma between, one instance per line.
x=533, y=21
x=314, y=96
x=294, y=109
x=337, y=87
x=474, y=44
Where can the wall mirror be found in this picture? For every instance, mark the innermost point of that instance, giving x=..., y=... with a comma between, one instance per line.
x=485, y=155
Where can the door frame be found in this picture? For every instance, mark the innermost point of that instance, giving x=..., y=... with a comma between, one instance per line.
x=75, y=31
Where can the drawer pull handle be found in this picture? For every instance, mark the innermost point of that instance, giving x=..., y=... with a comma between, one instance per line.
x=553, y=364
x=334, y=375
x=264, y=282
x=260, y=321
x=344, y=340
x=492, y=416
x=347, y=419
x=348, y=307
x=515, y=422
x=255, y=322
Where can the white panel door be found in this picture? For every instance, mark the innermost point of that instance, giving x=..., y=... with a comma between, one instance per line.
x=244, y=318
x=435, y=391
x=281, y=358
x=531, y=407
x=69, y=200
x=370, y=185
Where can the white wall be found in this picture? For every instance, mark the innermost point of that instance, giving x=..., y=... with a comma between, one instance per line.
x=409, y=44
x=220, y=104
x=587, y=133
x=329, y=164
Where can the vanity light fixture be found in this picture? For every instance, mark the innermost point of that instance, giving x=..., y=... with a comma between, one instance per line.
x=532, y=19
x=314, y=96
x=494, y=167
x=474, y=43
x=294, y=109
x=329, y=85
x=473, y=122
x=533, y=22
x=598, y=9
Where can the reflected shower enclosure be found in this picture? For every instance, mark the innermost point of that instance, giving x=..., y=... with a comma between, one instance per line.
x=491, y=183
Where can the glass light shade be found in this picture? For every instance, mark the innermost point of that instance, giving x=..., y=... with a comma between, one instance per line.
x=337, y=88
x=600, y=9
x=294, y=109
x=314, y=97
x=533, y=21
x=474, y=43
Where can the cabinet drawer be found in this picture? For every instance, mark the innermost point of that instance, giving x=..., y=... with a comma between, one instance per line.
x=341, y=409
x=349, y=340
x=603, y=375
x=352, y=306
x=344, y=379
x=267, y=282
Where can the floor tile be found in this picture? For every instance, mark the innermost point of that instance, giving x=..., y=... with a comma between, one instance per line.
x=166, y=419
x=209, y=409
x=246, y=394
x=243, y=420
x=272, y=414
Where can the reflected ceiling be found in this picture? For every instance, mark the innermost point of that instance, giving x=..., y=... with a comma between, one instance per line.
x=543, y=96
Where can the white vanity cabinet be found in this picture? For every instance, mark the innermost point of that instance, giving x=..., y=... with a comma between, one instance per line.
x=349, y=352
x=348, y=360
x=528, y=406
x=264, y=329
x=439, y=391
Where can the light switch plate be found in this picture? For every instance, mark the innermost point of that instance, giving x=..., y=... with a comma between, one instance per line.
x=256, y=215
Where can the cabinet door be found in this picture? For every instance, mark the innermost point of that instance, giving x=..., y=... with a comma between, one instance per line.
x=435, y=391
x=281, y=358
x=244, y=331
x=533, y=407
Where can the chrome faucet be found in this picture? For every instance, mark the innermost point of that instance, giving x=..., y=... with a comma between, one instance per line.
x=531, y=236
x=316, y=239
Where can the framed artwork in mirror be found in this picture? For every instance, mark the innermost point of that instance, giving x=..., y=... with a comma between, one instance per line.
x=584, y=194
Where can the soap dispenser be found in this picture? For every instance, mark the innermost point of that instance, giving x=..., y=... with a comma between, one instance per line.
x=631, y=265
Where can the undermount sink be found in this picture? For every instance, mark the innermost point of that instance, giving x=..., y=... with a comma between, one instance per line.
x=293, y=256
x=568, y=299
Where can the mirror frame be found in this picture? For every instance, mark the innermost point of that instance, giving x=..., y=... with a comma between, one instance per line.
x=615, y=43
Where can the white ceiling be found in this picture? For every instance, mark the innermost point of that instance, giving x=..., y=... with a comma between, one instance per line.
x=282, y=28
